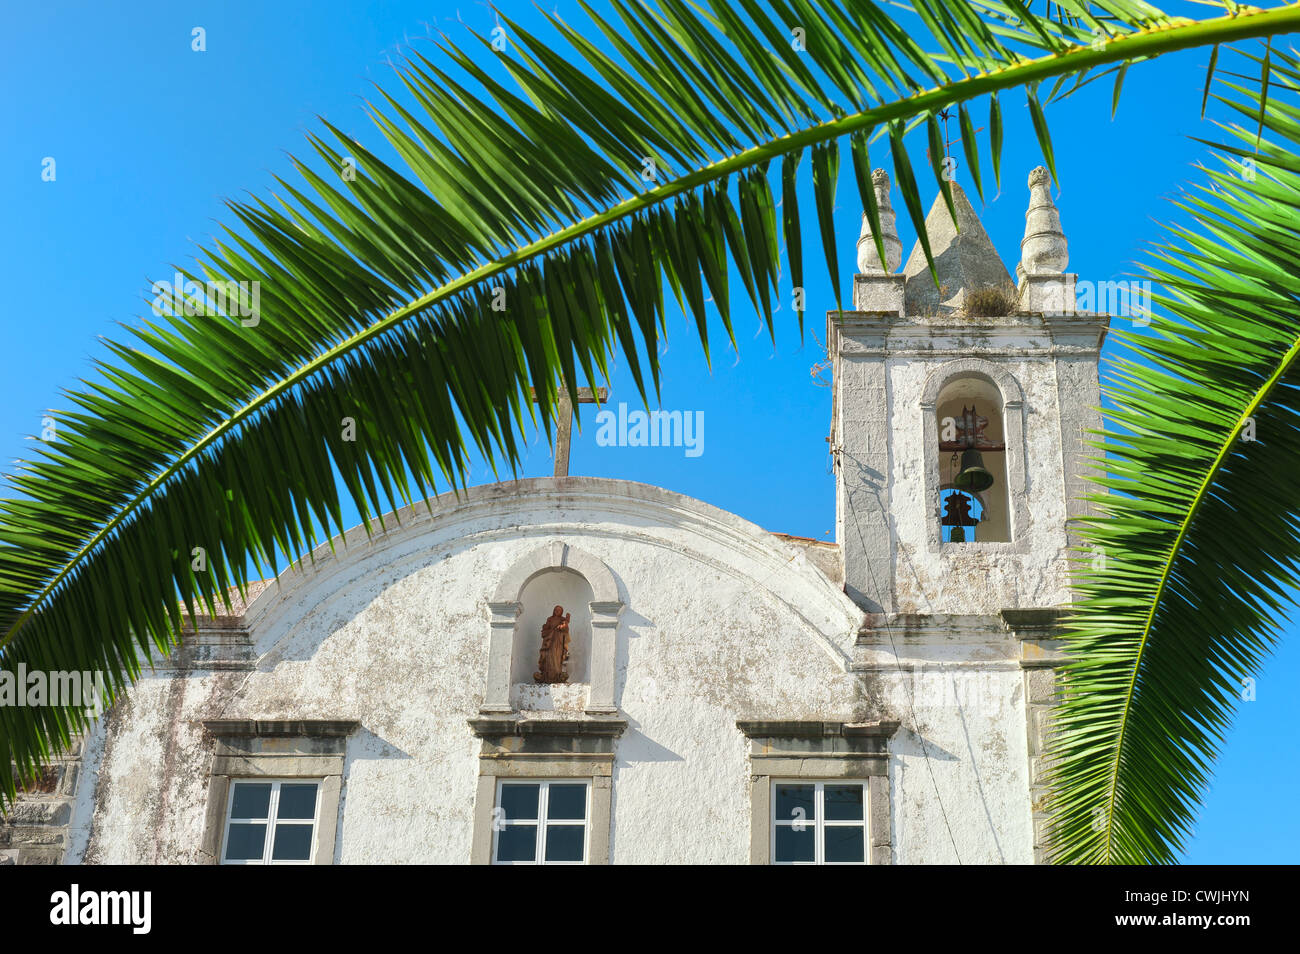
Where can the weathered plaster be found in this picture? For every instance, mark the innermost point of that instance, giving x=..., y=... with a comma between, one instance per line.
x=722, y=622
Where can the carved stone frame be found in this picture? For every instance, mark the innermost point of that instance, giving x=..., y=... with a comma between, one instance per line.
x=505, y=607
x=1013, y=434
x=544, y=749
x=248, y=749
x=819, y=750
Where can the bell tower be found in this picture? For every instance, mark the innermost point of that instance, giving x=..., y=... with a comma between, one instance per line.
x=961, y=411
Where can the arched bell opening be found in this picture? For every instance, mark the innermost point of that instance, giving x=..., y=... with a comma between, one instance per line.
x=974, y=503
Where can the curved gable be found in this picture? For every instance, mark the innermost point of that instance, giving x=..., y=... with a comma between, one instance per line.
x=537, y=513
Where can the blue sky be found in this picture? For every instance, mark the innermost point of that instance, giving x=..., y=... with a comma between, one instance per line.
x=150, y=137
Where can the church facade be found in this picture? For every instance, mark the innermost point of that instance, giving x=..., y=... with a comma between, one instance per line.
x=581, y=670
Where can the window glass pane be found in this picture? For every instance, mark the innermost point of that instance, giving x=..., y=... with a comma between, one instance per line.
x=795, y=803
x=517, y=843
x=519, y=801
x=791, y=845
x=844, y=843
x=292, y=843
x=843, y=802
x=244, y=842
x=252, y=800
x=297, y=800
x=566, y=801
x=564, y=842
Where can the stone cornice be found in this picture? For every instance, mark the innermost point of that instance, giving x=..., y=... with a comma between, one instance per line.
x=493, y=727
x=1035, y=622
x=281, y=728
x=880, y=628
x=1039, y=631
x=871, y=332
x=793, y=729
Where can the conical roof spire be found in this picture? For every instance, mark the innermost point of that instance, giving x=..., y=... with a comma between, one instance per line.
x=964, y=259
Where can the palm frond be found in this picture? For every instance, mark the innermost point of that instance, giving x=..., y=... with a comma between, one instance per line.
x=1199, y=536
x=402, y=313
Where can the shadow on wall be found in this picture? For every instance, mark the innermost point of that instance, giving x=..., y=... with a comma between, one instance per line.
x=365, y=746
x=636, y=746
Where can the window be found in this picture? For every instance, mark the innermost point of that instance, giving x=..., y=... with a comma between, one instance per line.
x=542, y=822
x=270, y=822
x=819, y=823
x=544, y=789
x=819, y=792
x=265, y=759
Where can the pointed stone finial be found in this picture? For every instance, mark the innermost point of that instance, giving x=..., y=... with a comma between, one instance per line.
x=868, y=257
x=1043, y=251
x=1044, y=284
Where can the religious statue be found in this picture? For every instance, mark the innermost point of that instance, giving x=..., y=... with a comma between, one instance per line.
x=555, y=648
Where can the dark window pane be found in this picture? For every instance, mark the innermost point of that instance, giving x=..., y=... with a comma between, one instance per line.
x=567, y=801
x=252, y=800
x=519, y=801
x=843, y=802
x=244, y=843
x=297, y=800
x=292, y=843
x=794, y=845
x=564, y=842
x=795, y=803
x=517, y=843
x=844, y=843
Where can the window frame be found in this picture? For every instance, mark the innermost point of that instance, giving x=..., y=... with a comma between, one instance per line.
x=542, y=822
x=812, y=751
x=545, y=749
x=271, y=820
x=284, y=750
x=820, y=822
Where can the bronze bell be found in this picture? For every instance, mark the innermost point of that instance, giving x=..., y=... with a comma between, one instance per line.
x=973, y=477
x=957, y=515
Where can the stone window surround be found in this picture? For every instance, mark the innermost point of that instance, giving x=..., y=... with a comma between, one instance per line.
x=506, y=605
x=246, y=748
x=516, y=748
x=821, y=751
x=1013, y=434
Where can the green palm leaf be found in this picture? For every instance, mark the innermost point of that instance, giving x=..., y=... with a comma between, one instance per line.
x=403, y=313
x=1199, y=532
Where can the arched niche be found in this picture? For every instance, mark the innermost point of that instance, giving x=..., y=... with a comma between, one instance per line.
x=538, y=598
x=556, y=574
x=994, y=392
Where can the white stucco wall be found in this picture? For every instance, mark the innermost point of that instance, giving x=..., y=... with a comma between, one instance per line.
x=723, y=621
